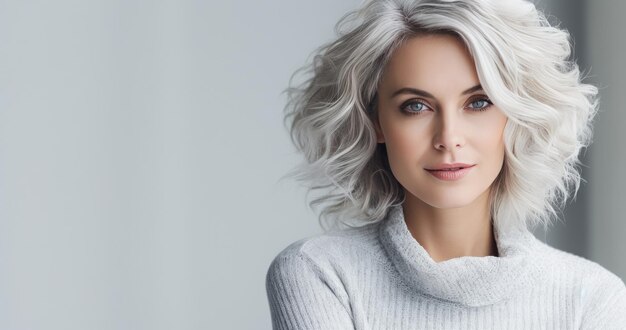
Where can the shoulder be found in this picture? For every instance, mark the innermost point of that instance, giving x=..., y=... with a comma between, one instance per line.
x=327, y=252
x=601, y=293
x=570, y=263
x=320, y=268
x=311, y=281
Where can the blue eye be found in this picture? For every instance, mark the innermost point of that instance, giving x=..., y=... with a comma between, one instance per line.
x=485, y=104
x=413, y=107
x=416, y=106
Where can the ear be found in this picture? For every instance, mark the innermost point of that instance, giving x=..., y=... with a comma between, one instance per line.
x=373, y=112
x=380, y=137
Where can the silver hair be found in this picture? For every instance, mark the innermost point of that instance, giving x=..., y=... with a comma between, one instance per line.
x=524, y=66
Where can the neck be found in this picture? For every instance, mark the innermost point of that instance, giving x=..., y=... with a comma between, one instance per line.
x=470, y=280
x=453, y=232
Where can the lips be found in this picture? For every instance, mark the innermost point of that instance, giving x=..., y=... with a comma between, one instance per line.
x=450, y=173
x=450, y=167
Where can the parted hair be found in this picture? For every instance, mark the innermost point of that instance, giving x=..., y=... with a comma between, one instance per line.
x=524, y=65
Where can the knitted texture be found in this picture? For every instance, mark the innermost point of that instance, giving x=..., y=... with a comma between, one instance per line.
x=379, y=277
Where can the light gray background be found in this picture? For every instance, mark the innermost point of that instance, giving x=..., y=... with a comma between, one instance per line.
x=141, y=146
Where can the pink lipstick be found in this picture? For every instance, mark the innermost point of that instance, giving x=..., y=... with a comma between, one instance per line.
x=450, y=172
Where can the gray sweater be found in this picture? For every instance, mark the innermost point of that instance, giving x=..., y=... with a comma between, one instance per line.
x=379, y=277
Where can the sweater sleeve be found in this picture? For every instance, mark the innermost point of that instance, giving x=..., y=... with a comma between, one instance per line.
x=605, y=302
x=302, y=296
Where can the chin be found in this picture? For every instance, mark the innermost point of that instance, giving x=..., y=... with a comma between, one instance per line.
x=446, y=200
x=449, y=203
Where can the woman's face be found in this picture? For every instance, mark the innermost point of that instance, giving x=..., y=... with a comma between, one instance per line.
x=430, y=113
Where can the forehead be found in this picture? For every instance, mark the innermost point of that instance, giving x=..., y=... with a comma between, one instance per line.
x=431, y=62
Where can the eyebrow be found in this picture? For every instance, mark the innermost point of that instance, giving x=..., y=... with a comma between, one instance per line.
x=420, y=92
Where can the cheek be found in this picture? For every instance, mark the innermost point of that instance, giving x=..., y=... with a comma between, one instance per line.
x=490, y=134
x=490, y=142
x=405, y=143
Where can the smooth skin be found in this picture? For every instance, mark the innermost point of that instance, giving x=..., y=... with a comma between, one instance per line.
x=450, y=219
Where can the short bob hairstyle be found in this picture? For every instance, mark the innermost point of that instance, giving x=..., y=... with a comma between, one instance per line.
x=523, y=65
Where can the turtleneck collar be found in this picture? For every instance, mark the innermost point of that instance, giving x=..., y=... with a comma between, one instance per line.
x=468, y=280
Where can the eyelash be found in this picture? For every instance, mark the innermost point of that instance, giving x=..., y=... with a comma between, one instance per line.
x=418, y=101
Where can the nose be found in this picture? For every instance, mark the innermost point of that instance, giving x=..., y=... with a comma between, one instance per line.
x=449, y=131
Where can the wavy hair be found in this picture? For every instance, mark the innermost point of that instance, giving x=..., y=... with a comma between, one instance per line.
x=524, y=66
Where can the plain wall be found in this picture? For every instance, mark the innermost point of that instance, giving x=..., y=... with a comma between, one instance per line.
x=594, y=225
x=606, y=49
x=571, y=232
x=141, y=147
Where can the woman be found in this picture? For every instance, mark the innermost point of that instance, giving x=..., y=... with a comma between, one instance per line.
x=445, y=131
